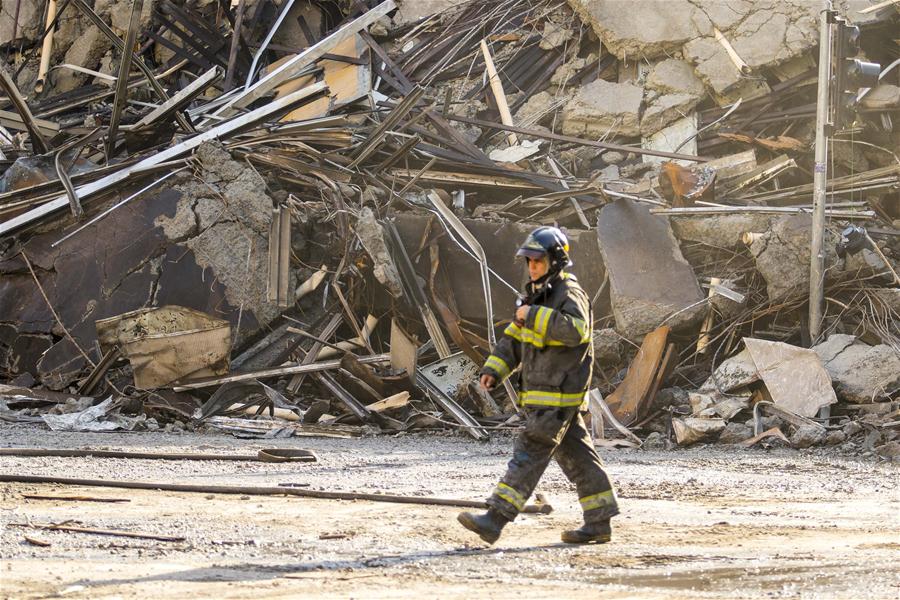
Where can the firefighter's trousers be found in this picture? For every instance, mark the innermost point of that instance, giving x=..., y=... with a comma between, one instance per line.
x=555, y=433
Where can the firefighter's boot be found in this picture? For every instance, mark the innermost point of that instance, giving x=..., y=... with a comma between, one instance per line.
x=488, y=526
x=589, y=533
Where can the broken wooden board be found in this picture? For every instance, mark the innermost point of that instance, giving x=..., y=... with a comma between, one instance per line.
x=347, y=82
x=632, y=398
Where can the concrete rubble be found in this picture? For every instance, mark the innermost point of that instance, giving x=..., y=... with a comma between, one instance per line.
x=282, y=183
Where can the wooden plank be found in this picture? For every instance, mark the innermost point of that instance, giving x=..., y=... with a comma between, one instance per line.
x=289, y=69
x=626, y=401
x=499, y=95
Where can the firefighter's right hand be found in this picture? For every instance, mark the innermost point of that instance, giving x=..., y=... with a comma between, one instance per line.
x=488, y=381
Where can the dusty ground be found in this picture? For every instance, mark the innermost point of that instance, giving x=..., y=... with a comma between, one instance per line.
x=706, y=523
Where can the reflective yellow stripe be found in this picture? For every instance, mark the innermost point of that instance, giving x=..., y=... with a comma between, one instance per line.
x=523, y=334
x=601, y=500
x=542, y=398
x=498, y=364
x=510, y=495
x=513, y=331
x=582, y=329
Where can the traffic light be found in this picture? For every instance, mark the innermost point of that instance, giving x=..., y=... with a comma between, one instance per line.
x=851, y=74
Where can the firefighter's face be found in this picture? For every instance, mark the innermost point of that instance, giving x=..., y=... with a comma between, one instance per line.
x=538, y=267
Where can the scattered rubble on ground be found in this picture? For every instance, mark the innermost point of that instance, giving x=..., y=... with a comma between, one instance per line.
x=251, y=233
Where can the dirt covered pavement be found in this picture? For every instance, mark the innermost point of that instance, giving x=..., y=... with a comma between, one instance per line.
x=700, y=523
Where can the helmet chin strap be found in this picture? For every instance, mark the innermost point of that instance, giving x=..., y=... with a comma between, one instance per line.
x=544, y=279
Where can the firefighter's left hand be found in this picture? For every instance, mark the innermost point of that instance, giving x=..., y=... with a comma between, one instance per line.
x=522, y=314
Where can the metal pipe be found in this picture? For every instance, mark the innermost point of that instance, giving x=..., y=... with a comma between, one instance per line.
x=820, y=179
x=122, y=81
x=47, y=48
x=261, y=491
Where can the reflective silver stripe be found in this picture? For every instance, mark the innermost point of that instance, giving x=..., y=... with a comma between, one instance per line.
x=601, y=500
x=541, y=320
x=510, y=495
x=498, y=364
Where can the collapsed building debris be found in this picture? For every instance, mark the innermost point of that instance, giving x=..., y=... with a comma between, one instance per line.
x=299, y=219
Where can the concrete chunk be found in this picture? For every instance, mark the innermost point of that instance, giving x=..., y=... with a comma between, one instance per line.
x=650, y=281
x=673, y=76
x=861, y=373
x=602, y=107
x=665, y=110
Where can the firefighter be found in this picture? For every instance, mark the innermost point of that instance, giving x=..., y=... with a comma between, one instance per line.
x=550, y=339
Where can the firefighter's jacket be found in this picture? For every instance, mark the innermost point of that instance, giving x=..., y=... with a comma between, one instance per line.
x=553, y=347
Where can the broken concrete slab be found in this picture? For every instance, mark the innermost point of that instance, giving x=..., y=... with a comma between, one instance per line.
x=414, y=10
x=660, y=27
x=680, y=135
x=665, y=110
x=861, y=373
x=735, y=433
x=735, y=372
x=28, y=28
x=371, y=234
x=673, y=76
x=601, y=107
x=795, y=377
x=649, y=280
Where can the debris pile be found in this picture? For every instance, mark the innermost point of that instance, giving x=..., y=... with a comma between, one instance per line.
x=277, y=218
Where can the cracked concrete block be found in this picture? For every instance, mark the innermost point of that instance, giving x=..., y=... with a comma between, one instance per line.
x=29, y=27
x=86, y=50
x=649, y=279
x=782, y=257
x=601, y=107
x=410, y=11
x=735, y=433
x=665, y=110
x=371, y=234
x=568, y=70
x=673, y=76
x=656, y=28
x=555, y=35
x=860, y=373
x=721, y=231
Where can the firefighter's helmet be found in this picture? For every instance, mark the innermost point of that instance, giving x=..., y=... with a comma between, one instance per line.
x=549, y=241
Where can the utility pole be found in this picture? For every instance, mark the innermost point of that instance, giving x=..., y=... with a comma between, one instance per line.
x=820, y=178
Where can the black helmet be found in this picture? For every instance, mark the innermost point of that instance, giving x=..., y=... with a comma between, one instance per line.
x=550, y=241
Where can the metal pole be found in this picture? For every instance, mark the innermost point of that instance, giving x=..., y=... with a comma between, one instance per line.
x=820, y=179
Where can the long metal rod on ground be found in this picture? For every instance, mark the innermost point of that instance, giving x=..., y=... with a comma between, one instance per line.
x=266, y=455
x=277, y=372
x=260, y=491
